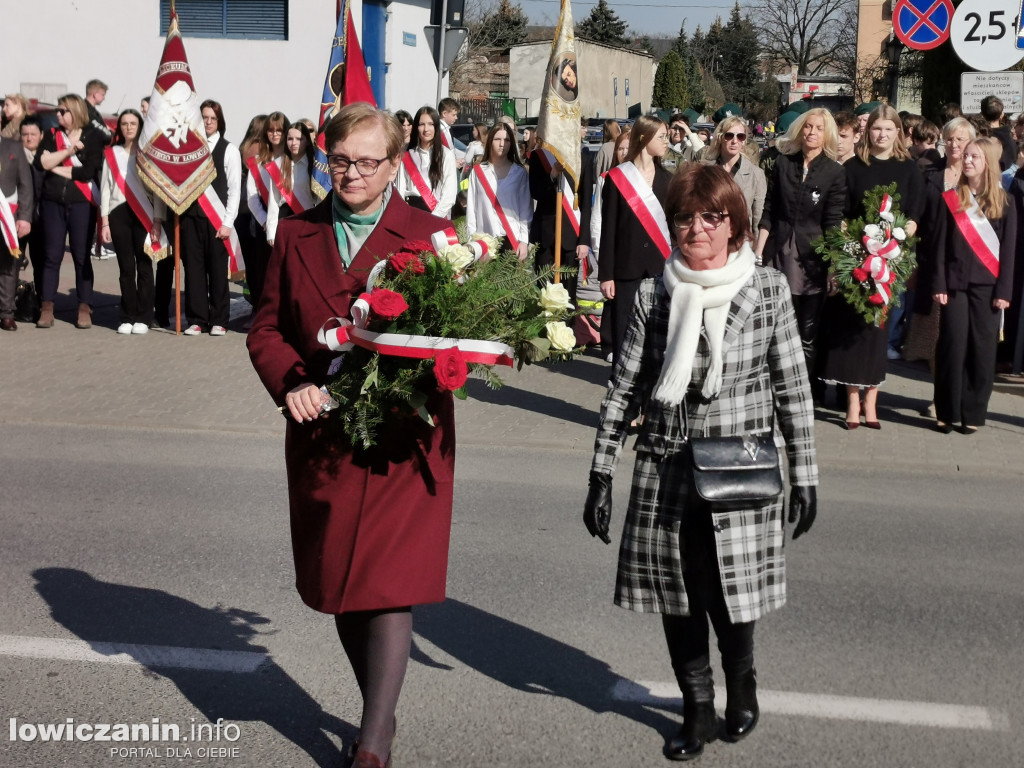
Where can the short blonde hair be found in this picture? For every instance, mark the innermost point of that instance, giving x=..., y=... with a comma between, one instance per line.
x=792, y=142
x=351, y=117
x=899, y=146
x=75, y=104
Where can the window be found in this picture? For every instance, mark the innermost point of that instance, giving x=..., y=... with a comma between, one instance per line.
x=242, y=19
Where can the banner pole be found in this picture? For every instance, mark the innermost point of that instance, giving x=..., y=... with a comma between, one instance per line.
x=558, y=229
x=177, y=275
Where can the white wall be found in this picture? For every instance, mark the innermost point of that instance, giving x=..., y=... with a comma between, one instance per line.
x=247, y=77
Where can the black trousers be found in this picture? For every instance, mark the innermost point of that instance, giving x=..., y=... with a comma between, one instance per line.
x=688, y=637
x=256, y=251
x=808, y=310
x=965, y=359
x=136, y=268
x=73, y=222
x=205, y=258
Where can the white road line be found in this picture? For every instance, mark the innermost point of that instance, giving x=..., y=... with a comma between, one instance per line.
x=127, y=653
x=920, y=713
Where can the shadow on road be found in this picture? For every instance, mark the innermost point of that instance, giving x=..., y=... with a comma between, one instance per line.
x=535, y=402
x=526, y=660
x=103, y=612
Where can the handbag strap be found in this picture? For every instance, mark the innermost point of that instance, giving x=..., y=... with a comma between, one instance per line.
x=706, y=406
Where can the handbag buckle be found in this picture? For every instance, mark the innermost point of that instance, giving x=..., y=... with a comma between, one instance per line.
x=751, y=447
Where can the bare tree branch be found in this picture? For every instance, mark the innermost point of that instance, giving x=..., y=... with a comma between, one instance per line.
x=812, y=34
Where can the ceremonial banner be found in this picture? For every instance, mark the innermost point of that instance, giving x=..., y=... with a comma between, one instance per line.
x=558, y=125
x=174, y=159
x=346, y=83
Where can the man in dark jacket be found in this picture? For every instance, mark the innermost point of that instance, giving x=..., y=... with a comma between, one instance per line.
x=992, y=111
x=15, y=212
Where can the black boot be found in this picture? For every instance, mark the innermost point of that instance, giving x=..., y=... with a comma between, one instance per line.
x=700, y=723
x=741, y=710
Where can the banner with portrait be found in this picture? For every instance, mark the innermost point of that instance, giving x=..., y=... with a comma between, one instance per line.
x=558, y=125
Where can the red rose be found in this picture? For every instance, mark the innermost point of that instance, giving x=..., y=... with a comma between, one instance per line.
x=874, y=298
x=404, y=261
x=417, y=246
x=860, y=275
x=450, y=369
x=387, y=304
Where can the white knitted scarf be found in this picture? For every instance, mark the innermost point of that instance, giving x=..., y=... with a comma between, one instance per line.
x=698, y=295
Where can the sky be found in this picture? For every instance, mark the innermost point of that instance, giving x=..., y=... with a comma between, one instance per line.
x=657, y=18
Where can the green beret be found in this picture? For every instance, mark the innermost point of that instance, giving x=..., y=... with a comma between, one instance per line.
x=867, y=107
x=727, y=110
x=798, y=107
x=692, y=115
x=785, y=120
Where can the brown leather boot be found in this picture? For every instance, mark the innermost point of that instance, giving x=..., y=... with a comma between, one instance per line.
x=45, y=315
x=84, y=316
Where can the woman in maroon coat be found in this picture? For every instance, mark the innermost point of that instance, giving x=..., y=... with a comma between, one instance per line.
x=370, y=528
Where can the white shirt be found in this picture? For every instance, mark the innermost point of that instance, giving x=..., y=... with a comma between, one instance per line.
x=111, y=195
x=233, y=170
x=252, y=194
x=595, y=215
x=513, y=193
x=300, y=188
x=445, y=191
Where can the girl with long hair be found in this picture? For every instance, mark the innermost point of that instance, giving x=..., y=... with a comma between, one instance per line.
x=972, y=279
x=428, y=180
x=291, y=192
x=498, y=199
x=270, y=148
x=246, y=225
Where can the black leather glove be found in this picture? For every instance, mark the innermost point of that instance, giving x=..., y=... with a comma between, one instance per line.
x=803, y=508
x=597, y=512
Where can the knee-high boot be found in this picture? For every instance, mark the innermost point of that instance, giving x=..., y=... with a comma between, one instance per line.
x=700, y=723
x=741, y=710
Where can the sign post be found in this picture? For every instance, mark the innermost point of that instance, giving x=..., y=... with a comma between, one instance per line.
x=984, y=34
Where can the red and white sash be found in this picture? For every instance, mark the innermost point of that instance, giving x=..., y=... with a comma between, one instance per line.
x=261, y=180
x=446, y=136
x=126, y=176
x=217, y=214
x=492, y=195
x=87, y=188
x=640, y=197
x=8, y=224
x=413, y=172
x=274, y=171
x=976, y=229
x=568, y=193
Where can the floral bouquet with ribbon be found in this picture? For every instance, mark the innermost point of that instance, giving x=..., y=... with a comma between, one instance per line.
x=871, y=259
x=432, y=315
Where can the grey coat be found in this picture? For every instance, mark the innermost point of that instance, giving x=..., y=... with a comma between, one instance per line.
x=753, y=182
x=763, y=378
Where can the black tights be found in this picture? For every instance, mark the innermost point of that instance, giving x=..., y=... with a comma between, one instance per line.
x=377, y=644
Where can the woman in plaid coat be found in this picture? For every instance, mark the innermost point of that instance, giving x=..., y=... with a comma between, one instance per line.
x=712, y=350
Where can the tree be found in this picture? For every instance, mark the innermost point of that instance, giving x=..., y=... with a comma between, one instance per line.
x=694, y=78
x=808, y=33
x=603, y=26
x=740, y=73
x=670, y=91
x=501, y=28
x=494, y=26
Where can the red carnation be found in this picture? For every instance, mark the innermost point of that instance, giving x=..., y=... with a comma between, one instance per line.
x=450, y=369
x=417, y=246
x=875, y=298
x=387, y=304
x=860, y=275
x=404, y=261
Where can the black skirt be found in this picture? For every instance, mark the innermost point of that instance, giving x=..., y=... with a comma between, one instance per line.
x=853, y=351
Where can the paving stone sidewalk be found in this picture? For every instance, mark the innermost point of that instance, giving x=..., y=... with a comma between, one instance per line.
x=162, y=381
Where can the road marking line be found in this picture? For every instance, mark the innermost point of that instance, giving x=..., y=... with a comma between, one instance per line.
x=129, y=653
x=919, y=713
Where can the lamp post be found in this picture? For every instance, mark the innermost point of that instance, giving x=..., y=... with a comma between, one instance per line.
x=893, y=49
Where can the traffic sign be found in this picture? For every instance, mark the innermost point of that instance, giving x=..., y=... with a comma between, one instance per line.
x=984, y=34
x=922, y=24
x=454, y=39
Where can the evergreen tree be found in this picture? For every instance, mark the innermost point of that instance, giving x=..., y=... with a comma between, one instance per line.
x=603, y=26
x=694, y=79
x=503, y=28
x=740, y=71
x=670, y=90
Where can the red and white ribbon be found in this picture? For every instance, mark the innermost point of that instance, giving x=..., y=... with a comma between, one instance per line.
x=640, y=197
x=8, y=224
x=492, y=196
x=274, y=171
x=126, y=177
x=347, y=334
x=976, y=229
x=262, y=182
x=413, y=172
x=217, y=214
x=568, y=193
x=443, y=239
x=88, y=189
x=885, y=209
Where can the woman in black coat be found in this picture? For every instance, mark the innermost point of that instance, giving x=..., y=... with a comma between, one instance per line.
x=972, y=279
x=808, y=197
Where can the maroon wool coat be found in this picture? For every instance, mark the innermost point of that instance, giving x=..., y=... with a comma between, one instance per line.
x=370, y=528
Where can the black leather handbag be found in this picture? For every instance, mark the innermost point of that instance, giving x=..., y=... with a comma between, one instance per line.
x=736, y=469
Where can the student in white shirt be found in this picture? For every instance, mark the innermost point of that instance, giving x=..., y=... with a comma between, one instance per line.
x=294, y=194
x=506, y=178
x=428, y=165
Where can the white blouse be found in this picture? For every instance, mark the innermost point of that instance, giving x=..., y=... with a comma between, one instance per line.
x=513, y=193
x=111, y=195
x=300, y=188
x=445, y=191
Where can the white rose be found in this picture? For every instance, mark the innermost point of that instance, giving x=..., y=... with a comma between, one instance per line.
x=561, y=336
x=459, y=256
x=873, y=231
x=899, y=234
x=492, y=242
x=886, y=217
x=554, y=299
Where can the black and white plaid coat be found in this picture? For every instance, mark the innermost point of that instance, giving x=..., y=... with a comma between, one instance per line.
x=763, y=365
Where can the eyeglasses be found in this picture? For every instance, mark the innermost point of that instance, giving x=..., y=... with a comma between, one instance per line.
x=274, y=130
x=365, y=166
x=663, y=137
x=676, y=128
x=729, y=136
x=62, y=111
x=710, y=219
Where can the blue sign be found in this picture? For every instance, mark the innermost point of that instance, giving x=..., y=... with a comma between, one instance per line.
x=409, y=38
x=922, y=24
